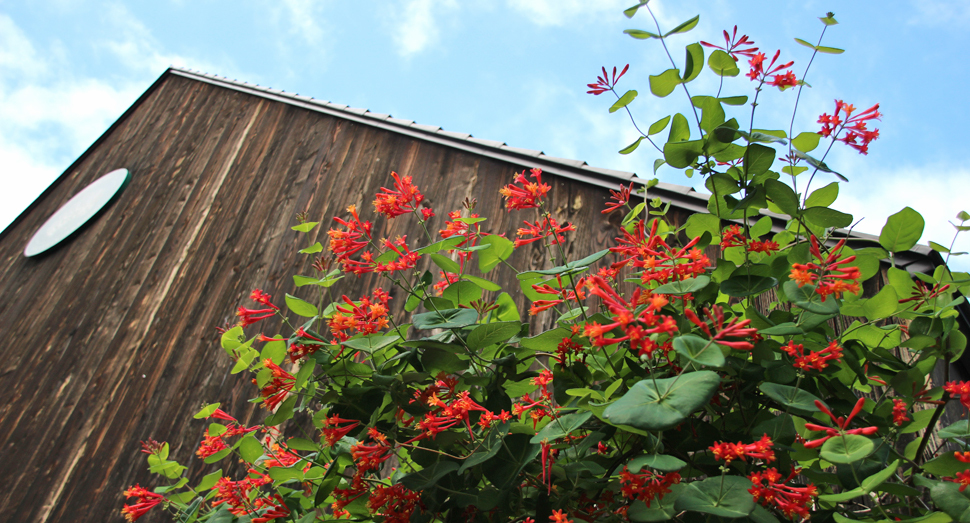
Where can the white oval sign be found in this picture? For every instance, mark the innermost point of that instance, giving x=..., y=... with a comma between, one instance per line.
x=77, y=211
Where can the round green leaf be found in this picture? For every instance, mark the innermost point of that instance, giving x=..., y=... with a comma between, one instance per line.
x=663, y=404
x=489, y=333
x=949, y=499
x=659, y=462
x=724, y=496
x=699, y=350
x=664, y=83
x=683, y=286
x=902, y=230
x=300, y=307
x=722, y=64
x=846, y=449
x=741, y=285
x=660, y=509
x=790, y=396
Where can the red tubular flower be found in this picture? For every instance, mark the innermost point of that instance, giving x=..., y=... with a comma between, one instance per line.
x=766, y=247
x=605, y=83
x=857, y=136
x=259, y=296
x=733, y=236
x=403, y=199
x=278, y=388
x=559, y=516
x=248, y=317
x=794, y=502
x=736, y=328
x=732, y=45
x=332, y=431
x=959, y=390
x=543, y=228
x=275, y=508
x=729, y=452
x=963, y=478
x=831, y=277
x=528, y=195
x=962, y=456
x=406, y=259
x=620, y=199
x=899, y=413
x=761, y=73
x=839, y=422
x=813, y=360
x=146, y=501
x=646, y=486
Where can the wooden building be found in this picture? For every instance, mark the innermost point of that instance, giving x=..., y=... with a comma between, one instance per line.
x=110, y=336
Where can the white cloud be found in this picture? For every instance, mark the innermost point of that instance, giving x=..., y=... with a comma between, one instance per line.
x=134, y=46
x=303, y=18
x=415, y=24
x=575, y=12
x=17, y=54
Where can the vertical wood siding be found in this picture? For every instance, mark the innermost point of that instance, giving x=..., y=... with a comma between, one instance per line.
x=109, y=339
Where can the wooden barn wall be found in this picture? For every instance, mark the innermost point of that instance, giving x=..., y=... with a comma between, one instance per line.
x=110, y=339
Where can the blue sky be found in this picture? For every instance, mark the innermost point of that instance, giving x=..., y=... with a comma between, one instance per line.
x=509, y=70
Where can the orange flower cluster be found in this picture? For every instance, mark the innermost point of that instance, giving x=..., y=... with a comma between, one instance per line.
x=660, y=262
x=759, y=72
x=394, y=503
x=646, y=486
x=816, y=360
x=542, y=229
x=528, y=194
x=729, y=452
x=637, y=326
x=829, y=274
x=404, y=198
x=355, y=237
x=768, y=488
x=733, y=236
x=367, y=317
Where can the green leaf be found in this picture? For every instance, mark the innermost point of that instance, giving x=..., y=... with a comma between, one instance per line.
x=712, y=114
x=562, y=426
x=782, y=329
x=806, y=298
x=284, y=413
x=305, y=227
x=733, y=100
x=632, y=147
x=872, y=482
x=623, y=101
x=658, y=126
x=681, y=287
x=820, y=165
x=660, y=509
x=902, y=230
x=664, y=83
x=630, y=11
x=806, y=141
x=462, y=293
x=825, y=217
x=758, y=159
x=882, y=305
x=960, y=429
x=659, y=462
x=446, y=264
x=250, y=449
x=507, y=310
x=300, y=307
x=488, y=285
x=945, y=465
x=783, y=196
x=694, y=63
x=741, y=285
x=444, y=245
x=684, y=27
x=207, y=411
x=209, y=480
x=848, y=448
x=722, y=64
x=724, y=496
x=491, y=333
x=570, y=268
x=217, y=456
x=547, y=341
x=429, y=476
x=281, y=474
x=313, y=249
x=806, y=44
x=829, y=50
x=302, y=444
x=445, y=319
x=664, y=403
x=699, y=350
x=371, y=343
x=488, y=449
x=823, y=197
x=948, y=498
x=790, y=396
x=699, y=223
x=679, y=129
x=682, y=154
x=500, y=250
x=640, y=35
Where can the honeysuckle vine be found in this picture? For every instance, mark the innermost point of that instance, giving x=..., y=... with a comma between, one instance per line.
x=732, y=367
